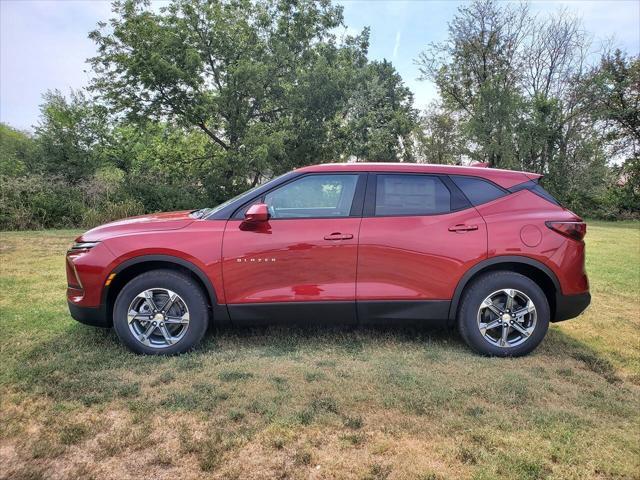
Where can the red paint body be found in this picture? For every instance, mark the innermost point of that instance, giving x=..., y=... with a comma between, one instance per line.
x=359, y=258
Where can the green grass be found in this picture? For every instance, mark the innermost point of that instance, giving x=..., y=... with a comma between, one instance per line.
x=293, y=403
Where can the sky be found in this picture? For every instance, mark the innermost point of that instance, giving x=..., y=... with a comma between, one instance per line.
x=44, y=43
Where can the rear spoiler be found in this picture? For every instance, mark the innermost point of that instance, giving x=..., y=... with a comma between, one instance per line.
x=530, y=175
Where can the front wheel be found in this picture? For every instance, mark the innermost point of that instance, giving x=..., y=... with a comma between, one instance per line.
x=503, y=314
x=161, y=312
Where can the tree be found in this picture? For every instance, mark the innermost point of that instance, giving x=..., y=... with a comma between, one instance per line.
x=17, y=151
x=379, y=117
x=439, y=137
x=516, y=85
x=614, y=97
x=70, y=135
x=259, y=79
x=475, y=70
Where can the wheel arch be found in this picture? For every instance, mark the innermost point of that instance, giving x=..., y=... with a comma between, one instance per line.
x=133, y=267
x=533, y=269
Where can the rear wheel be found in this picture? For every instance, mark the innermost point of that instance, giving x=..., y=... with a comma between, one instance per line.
x=503, y=314
x=161, y=312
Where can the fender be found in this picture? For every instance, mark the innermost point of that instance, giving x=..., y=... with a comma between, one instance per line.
x=489, y=262
x=220, y=312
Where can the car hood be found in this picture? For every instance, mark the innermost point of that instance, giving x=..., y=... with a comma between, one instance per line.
x=143, y=223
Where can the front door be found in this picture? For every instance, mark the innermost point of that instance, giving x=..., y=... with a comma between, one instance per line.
x=300, y=265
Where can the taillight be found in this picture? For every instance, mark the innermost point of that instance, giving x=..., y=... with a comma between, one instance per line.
x=574, y=230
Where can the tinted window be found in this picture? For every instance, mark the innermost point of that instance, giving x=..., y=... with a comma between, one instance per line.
x=313, y=196
x=538, y=190
x=478, y=191
x=411, y=195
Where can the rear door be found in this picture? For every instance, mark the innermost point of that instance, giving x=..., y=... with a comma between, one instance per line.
x=301, y=264
x=418, y=236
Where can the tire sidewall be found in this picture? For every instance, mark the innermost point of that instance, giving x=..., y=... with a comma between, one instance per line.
x=483, y=287
x=185, y=287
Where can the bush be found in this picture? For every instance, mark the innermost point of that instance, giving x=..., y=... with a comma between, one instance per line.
x=108, y=212
x=40, y=201
x=37, y=202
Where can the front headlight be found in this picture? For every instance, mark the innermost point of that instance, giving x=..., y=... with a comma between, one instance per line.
x=77, y=246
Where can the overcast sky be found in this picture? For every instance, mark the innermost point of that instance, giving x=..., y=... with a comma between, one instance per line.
x=44, y=44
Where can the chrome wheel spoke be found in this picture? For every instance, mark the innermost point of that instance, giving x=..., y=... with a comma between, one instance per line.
x=489, y=326
x=142, y=317
x=169, y=303
x=165, y=333
x=530, y=308
x=509, y=303
x=505, y=335
x=145, y=336
x=172, y=319
x=524, y=331
x=147, y=295
x=488, y=303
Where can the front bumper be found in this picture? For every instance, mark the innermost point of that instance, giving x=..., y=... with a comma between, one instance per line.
x=570, y=306
x=94, y=316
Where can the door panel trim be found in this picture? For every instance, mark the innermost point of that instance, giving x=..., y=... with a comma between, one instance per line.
x=314, y=313
x=383, y=312
x=393, y=312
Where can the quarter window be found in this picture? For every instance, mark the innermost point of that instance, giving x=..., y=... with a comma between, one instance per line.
x=478, y=191
x=411, y=195
x=313, y=196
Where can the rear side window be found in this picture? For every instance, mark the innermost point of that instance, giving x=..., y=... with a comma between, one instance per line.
x=411, y=195
x=536, y=188
x=477, y=190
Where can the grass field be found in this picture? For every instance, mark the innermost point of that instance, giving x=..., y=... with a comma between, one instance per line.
x=291, y=403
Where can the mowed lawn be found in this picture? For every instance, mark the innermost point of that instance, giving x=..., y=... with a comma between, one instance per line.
x=296, y=403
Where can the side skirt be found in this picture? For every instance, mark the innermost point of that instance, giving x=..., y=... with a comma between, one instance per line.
x=385, y=312
x=432, y=313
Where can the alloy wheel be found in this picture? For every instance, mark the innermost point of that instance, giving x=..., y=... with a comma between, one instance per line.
x=158, y=318
x=507, y=318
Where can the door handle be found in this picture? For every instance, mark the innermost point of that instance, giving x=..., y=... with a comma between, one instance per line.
x=338, y=236
x=463, y=228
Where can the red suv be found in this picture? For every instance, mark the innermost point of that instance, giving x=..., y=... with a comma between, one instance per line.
x=487, y=250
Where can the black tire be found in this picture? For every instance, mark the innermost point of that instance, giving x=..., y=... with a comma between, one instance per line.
x=481, y=288
x=190, y=293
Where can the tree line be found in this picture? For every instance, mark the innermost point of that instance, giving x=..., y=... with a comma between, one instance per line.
x=197, y=101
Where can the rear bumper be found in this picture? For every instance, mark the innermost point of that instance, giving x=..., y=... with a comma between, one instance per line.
x=570, y=306
x=94, y=316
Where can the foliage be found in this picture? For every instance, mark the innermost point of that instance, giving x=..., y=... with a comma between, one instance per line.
x=70, y=135
x=17, y=151
x=264, y=81
x=614, y=97
x=196, y=101
x=517, y=92
x=377, y=115
x=440, y=139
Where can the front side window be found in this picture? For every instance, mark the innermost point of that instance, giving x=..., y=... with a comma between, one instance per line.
x=313, y=196
x=411, y=195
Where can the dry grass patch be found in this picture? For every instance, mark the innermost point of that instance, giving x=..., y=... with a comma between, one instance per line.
x=297, y=403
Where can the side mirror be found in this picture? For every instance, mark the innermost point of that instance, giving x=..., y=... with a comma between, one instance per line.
x=257, y=213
